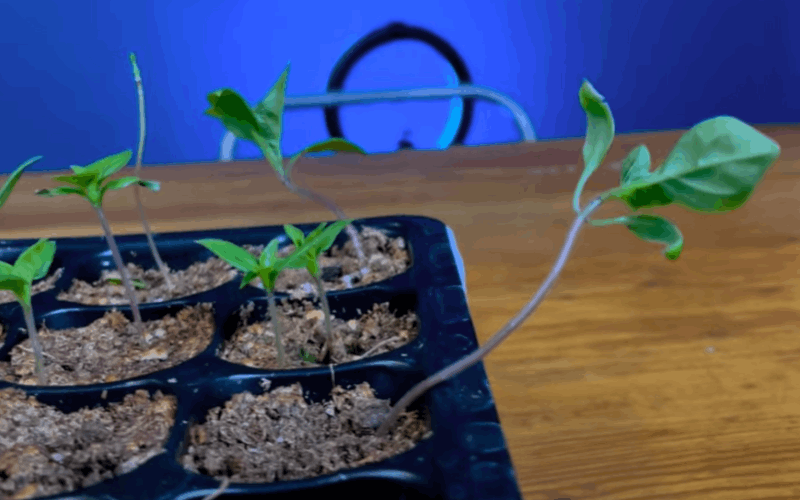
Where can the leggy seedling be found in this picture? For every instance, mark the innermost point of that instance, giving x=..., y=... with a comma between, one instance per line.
x=90, y=183
x=18, y=279
x=263, y=125
x=268, y=267
x=312, y=266
x=713, y=168
x=146, y=225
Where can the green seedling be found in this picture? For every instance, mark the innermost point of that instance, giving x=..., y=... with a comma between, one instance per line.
x=8, y=186
x=263, y=125
x=268, y=267
x=307, y=356
x=91, y=183
x=141, y=285
x=713, y=168
x=18, y=279
x=146, y=225
x=311, y=263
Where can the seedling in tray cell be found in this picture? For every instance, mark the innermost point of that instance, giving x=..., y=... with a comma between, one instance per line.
x=18, y=279
x=262, y=125
x=713, y=168
x=91, y=183
x=268, y=266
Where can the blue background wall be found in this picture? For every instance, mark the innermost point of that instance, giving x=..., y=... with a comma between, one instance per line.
x=68, y=94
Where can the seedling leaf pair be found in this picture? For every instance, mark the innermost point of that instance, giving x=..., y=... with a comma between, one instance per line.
x=30, y=266
x=89, y=182
x=323, y=237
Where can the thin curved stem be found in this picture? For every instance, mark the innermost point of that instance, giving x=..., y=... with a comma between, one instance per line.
x=276, y=325
x=123, y=273
x=473, y=358
x=146, y=225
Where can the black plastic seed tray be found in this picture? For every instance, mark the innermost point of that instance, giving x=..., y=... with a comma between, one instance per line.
x=464, y=458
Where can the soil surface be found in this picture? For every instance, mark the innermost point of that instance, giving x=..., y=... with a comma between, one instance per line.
x=304, y=334
x=47, y=283
x=109, y=349
x=278, y=436
x=387, y=257
x=45, y=452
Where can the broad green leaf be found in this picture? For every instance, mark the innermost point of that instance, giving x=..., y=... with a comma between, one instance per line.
x=81, y=181
x=635, y=166
x=267, y=258
x=16, y=285
x=235, y=114
x=326, y=238
x=250, y=276
x=713, y=168
x=120, y=183
x=269, y=112
x=294, y=234
x=35, y=261
x=61, y=190
x=599, y=135
x=651, y=228
x=332, y=144
x=234, y=255
x=5, y=192
x=6, y=268
x=108, y=166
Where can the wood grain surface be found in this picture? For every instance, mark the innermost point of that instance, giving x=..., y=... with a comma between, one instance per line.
x=639, y=378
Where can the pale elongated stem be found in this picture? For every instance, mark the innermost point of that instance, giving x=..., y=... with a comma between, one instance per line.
x=468, y=361
x=325, y=308
x=330, y=205
x=136, y=189
x=38, y=354
x=276, y=325
x=123, y=273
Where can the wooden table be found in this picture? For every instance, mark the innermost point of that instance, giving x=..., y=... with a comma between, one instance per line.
x=639, y=378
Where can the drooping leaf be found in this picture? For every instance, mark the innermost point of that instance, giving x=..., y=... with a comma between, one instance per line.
x=124, y=182
x=12, y=180
x=235, y=114
x=154, y=186
x=713, y=168
x=35, y=261
x=269, y=112
x=331, y=144
x=61, y=190
x=599, y=135
x=652, y=228
x=234, y=255
x=635, y=166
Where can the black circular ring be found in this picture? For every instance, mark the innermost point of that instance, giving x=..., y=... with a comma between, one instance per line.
x=390, y=33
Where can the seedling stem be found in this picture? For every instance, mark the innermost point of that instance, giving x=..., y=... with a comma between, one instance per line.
x=38, y=353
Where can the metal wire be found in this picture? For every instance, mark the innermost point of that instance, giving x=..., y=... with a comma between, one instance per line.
x=523, y=122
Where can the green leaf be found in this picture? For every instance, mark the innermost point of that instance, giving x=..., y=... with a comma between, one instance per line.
x=250, y=276
x=94, y=194
x=6, y=268
x=141, y=285
x=16, y=285
x=713, y=168
x=235, y=114
x=79, y=180
x=272, y=152
x=267, y=258
x=236, y=256
x=325, y=239
x=154, y=186
x=120, y=183
x=332, y=144
x=61, y=190
x=635, y=166
x=306, y=356
x=599, y=135
x=651, y=228
x=269, y=112
x=35, y=261
x=5, y=192
x=269, y=276
x=294, y=234
x=110, y=165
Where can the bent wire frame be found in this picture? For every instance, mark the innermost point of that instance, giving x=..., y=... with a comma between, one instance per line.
x=523, y=122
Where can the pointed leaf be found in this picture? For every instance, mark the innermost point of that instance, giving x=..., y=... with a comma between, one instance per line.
x=332, y=144
x=599, y=135
x=713, y=168
x=16, y=285
x=108, y=166
x=269, y=112
x=81, y=181
x=12, y=180
x=154, y=186
x=61, y=190
x=35, y=261
x=250, y=276
x=635, y=166
x=294, y=234
x=234, y=255
x=120, y=183
x=651, y=228
x=325, y=239
x=267, y=258
x=235, y=114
